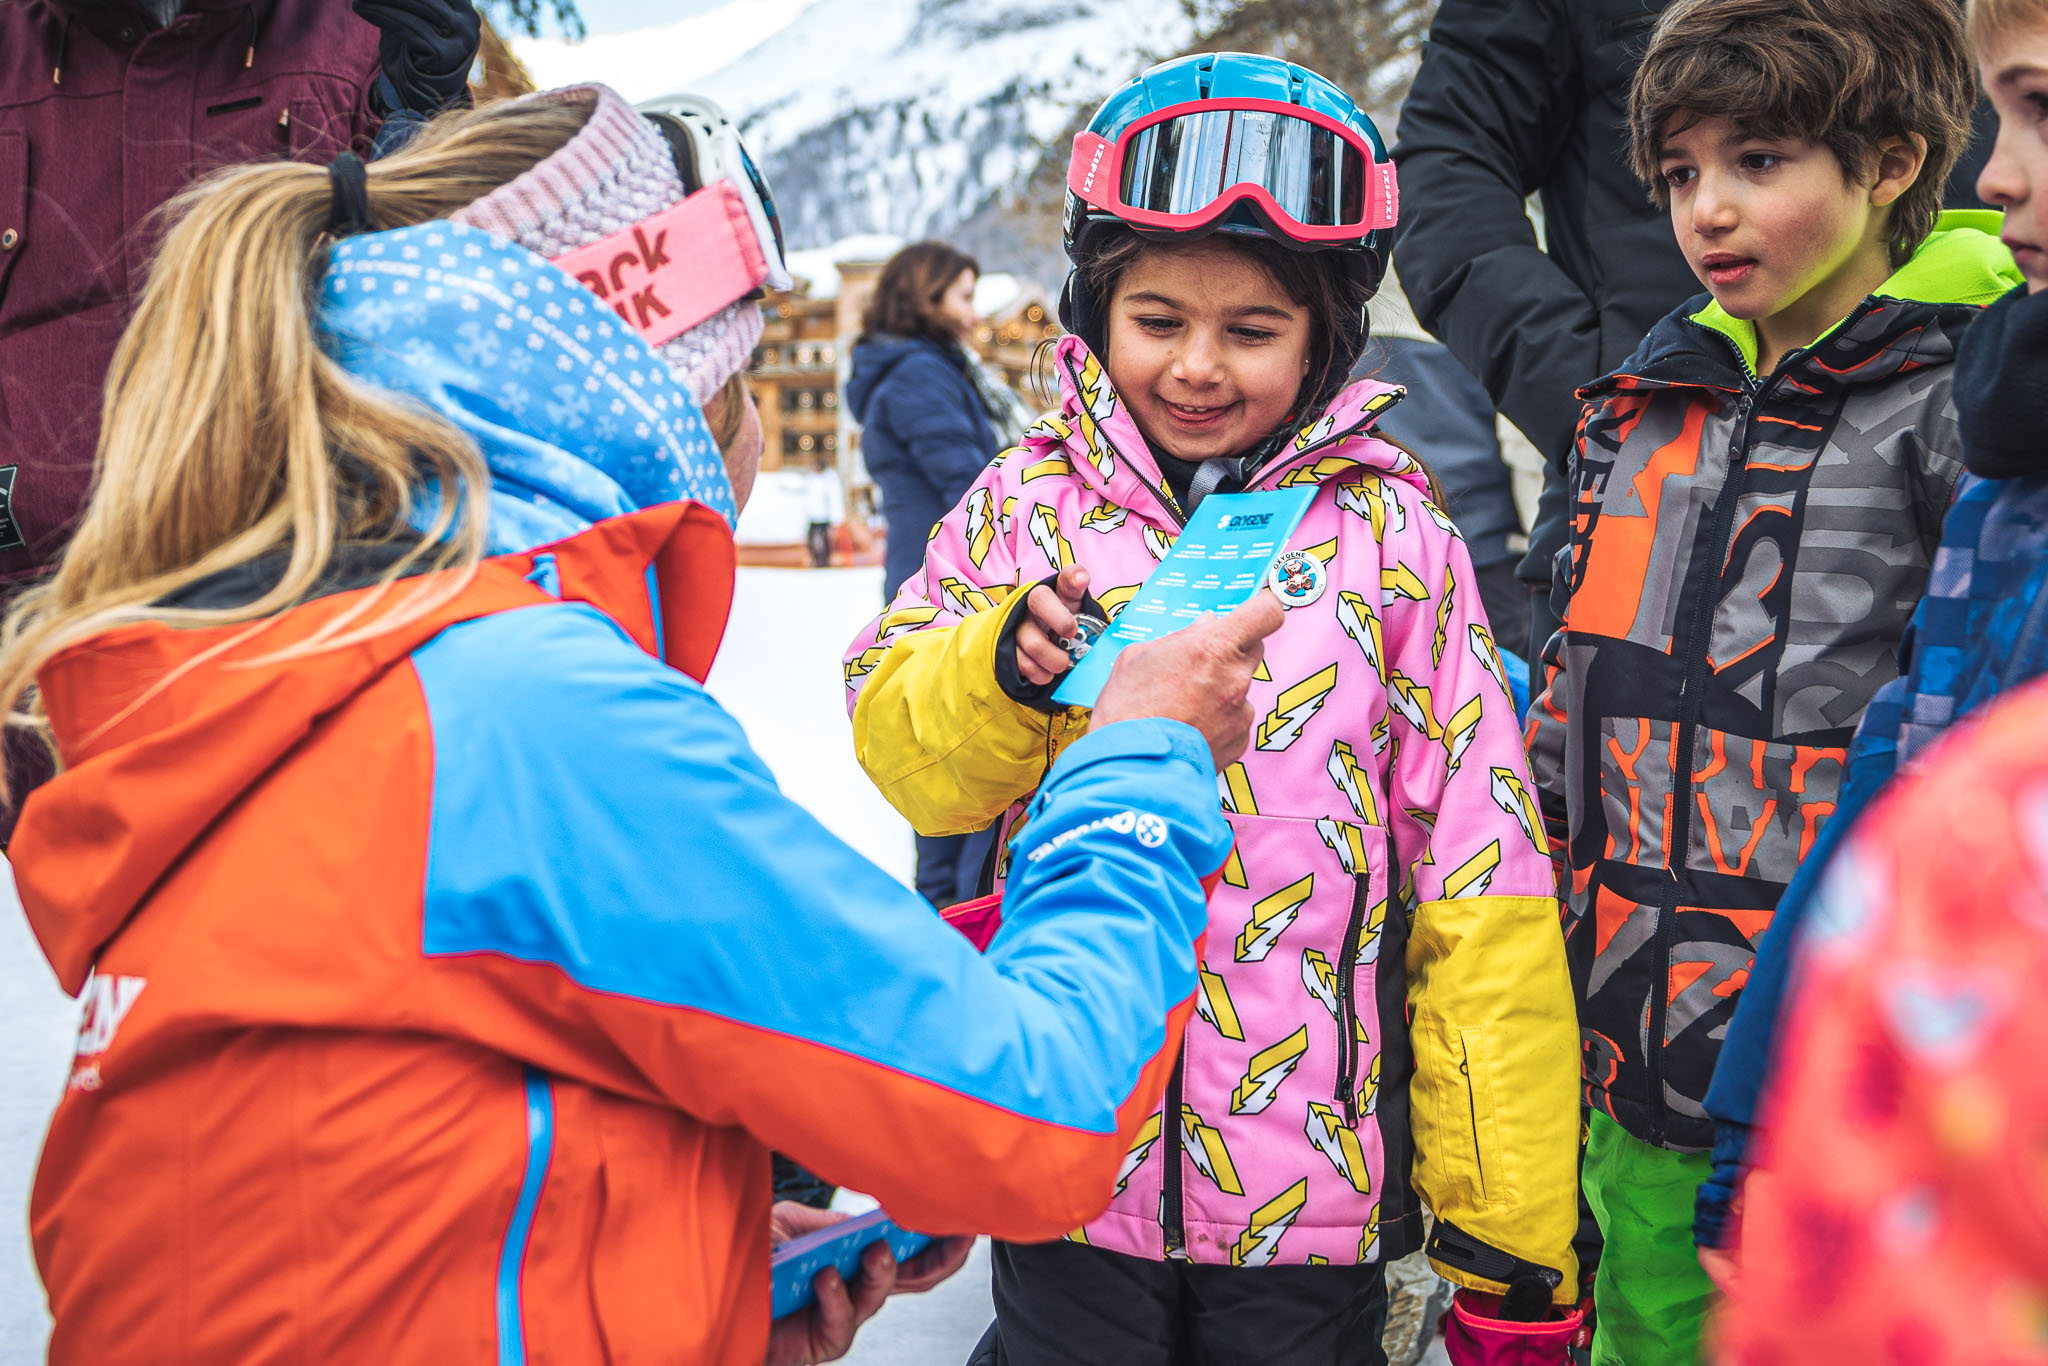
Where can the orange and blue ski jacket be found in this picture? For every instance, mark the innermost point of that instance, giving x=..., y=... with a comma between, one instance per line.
x=445, y=991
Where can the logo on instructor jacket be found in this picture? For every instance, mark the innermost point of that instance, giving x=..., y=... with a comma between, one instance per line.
x=1142, y=826
x=107, y=1002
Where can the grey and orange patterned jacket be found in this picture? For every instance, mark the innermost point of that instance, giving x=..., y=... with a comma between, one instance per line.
x=1745, y=554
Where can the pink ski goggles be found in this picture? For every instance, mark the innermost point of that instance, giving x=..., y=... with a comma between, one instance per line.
x=1315, y=179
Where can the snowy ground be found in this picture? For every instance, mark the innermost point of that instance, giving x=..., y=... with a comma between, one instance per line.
x=779, y=674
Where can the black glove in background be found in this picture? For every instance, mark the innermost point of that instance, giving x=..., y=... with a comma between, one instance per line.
x=426, y=49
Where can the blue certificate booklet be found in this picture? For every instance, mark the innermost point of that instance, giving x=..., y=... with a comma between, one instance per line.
x=840, y=1245
x=1224, y=556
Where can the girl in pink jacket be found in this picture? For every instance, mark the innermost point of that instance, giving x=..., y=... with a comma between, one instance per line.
x=1386, y=1021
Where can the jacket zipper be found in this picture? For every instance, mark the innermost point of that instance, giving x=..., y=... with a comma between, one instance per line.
x=1261, y=475
x=1347, y=1005
x=1479, y=1164
x=1172, y=1218
x=1678, y=844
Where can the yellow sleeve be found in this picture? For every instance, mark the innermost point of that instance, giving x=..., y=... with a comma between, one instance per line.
x=1495, y=1109
x=939, y=737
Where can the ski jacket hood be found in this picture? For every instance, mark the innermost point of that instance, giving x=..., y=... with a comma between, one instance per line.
x=579, y=422
x=1745, y=555
x=577, y=416
x=1387, y=923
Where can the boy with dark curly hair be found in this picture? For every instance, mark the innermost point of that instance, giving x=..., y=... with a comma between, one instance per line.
x=1757, y=496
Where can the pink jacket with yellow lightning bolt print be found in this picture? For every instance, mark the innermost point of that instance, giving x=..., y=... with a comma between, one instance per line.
x=1354, y=1048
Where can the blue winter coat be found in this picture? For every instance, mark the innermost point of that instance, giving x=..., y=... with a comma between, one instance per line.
x=924, y=434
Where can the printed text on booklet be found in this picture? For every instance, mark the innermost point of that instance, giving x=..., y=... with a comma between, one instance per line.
x=1224, y=555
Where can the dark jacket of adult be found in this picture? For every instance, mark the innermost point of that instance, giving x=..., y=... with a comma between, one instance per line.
x=103, y=117
x=1515, y=99
x=924, y=434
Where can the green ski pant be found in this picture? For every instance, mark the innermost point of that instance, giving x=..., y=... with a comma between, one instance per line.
x=1649, y=1295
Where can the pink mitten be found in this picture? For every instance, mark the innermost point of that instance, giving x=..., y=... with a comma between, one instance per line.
x=1473, y=1337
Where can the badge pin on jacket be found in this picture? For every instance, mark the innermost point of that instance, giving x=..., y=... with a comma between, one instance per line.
x=1298, y=578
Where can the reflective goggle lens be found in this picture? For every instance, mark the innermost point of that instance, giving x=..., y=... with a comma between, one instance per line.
x=764, y=194
x=1183, y=164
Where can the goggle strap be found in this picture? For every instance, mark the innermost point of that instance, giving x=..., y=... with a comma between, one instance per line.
x=1092, y=172
x=1383, y=206
x=673, y=270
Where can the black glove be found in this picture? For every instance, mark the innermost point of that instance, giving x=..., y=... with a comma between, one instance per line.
x=426, y=50
x=1037, y=696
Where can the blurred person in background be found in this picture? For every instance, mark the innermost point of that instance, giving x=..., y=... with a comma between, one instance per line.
x=1897, y=1211
x=824, y=508
x=114, y=106
x=930, y=422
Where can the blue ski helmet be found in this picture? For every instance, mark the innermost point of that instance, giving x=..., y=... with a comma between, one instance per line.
x=1236, y=143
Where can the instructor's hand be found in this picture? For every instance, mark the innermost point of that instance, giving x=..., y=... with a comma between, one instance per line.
x=1048, y=620
x=1199, y=674
x=824, y=1329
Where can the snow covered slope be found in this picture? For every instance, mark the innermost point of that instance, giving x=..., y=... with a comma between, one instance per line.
x=900, y=116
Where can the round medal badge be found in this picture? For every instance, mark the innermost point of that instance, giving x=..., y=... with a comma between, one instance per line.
x=1298, y=578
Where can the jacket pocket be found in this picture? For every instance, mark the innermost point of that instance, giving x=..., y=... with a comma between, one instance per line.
x=1475, y=1066
x=13, y=207
x=312, y=131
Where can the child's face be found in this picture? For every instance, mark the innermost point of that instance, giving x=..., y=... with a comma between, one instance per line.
x=2015, y=75
x=1773, y=225
x=1206, y=349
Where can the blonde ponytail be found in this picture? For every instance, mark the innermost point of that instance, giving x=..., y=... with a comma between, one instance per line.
x=227, y=434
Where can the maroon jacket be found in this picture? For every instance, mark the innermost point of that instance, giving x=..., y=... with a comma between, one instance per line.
x=103, y=117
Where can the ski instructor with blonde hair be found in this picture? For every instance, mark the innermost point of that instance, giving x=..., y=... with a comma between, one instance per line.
x=445, y=951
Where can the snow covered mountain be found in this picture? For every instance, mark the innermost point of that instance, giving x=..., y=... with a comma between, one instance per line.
x=901, y=116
